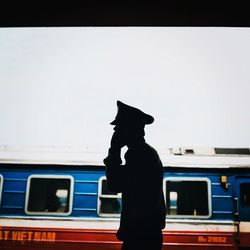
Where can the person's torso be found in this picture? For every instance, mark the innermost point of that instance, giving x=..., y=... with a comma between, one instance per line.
x=142, y=196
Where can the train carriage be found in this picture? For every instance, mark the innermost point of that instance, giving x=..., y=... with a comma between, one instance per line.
x=67, y=205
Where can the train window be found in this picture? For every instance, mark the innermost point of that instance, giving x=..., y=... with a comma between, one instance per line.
x=187, y=197
x=49, y=194
x=1, y=186
x=245, y=194
x=109, y=203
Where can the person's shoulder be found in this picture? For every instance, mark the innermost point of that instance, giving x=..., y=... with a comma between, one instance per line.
x=150, y=148
x=151, y=157
x=151, y=151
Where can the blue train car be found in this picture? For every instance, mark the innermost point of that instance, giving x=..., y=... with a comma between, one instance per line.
x=68, y=206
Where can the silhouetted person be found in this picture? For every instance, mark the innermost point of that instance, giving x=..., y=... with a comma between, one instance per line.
x=139, y=180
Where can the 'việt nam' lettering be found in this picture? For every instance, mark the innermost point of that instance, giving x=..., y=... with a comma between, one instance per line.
x=27, y=236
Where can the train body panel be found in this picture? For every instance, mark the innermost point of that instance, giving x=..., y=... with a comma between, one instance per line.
x=206, y=207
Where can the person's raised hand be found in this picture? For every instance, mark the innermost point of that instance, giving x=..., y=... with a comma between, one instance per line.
x=117, y=141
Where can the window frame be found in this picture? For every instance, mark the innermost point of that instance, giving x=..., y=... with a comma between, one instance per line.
x=1, y=188
x=46, y=176
x=240, y=197
x=100, y=195
x=207, y=180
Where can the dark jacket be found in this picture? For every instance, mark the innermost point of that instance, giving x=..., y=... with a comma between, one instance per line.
x=140, y=181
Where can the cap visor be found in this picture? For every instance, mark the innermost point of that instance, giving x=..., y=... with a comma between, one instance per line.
x=113, y=122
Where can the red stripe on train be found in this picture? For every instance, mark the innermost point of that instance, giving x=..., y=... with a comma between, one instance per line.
x=93, y=239
x=245, y=240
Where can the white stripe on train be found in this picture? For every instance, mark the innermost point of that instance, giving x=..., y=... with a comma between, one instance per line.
x=113, y=224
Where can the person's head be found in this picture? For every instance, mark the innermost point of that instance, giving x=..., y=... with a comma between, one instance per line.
x=130, y=122
x=130, y=133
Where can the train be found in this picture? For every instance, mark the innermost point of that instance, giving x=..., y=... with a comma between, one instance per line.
x=67, y=205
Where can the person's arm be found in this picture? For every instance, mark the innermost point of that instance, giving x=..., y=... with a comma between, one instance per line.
x=114, y=169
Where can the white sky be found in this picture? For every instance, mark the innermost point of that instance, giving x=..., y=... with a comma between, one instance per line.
x=59, y=86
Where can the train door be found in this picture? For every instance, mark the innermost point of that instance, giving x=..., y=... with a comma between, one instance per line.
x=242, y=211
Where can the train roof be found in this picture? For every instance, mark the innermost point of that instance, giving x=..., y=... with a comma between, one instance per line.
x=180, y=157
x=206, y=162
x=52, y=157
x=207, y=157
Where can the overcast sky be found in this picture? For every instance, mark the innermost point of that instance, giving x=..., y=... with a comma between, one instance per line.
x=59, y=86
